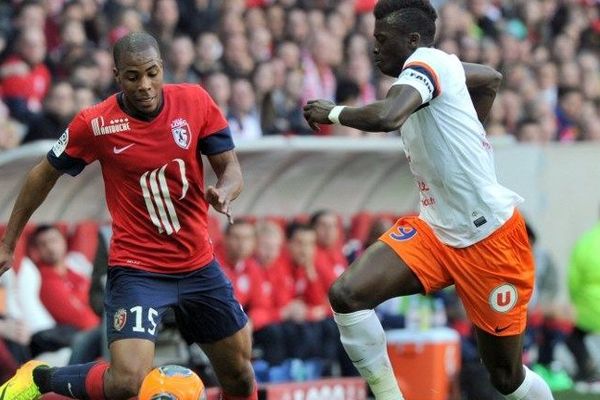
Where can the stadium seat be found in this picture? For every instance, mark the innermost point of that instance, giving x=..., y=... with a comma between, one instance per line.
x=84, y=239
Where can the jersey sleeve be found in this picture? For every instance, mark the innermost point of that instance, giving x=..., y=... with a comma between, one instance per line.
x=421, y=75
x=215, y=136
x=73, y=150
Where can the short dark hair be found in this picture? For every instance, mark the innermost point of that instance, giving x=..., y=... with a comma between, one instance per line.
x=237, y=222
x=346, y=90
x=133, y=42
x=316, y=216
x=42, y=228
x=413, y=15
x=296, y=227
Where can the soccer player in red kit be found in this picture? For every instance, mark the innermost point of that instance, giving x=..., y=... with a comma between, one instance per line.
x=149, y=139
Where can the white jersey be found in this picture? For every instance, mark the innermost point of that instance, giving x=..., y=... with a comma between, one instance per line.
x=449, y=155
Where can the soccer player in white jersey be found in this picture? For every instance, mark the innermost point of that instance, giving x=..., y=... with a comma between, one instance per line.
x=469, y=232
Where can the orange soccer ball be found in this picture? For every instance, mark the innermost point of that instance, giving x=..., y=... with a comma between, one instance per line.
x=172, y=382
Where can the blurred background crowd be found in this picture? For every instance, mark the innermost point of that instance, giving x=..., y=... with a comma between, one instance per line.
x=261, y=60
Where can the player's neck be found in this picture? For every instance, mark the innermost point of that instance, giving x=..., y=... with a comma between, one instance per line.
x=132, y=112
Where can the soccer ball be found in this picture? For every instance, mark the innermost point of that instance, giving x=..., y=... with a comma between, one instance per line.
x=172, y=382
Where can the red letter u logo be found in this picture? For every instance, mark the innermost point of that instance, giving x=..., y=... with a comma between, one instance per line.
x=503, y=299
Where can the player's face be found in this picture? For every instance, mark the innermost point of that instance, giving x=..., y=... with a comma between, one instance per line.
x=327, y=230
x=51, y=246
x=303, y=246
x=392, y=47
x=240, y=242
x=140, y=76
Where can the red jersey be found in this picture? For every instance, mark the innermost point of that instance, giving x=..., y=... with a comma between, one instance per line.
x=66, y=297
x=153, y=175
x=251, y=289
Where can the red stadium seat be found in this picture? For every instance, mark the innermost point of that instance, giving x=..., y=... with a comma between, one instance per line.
x=360, y=225
x=84, y=239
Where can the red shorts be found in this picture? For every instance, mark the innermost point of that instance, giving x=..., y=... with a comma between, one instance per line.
x=494, y=277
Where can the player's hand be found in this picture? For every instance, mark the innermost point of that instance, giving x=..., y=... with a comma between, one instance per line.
x=6, y=256
x=317, y=112
x=220, y=200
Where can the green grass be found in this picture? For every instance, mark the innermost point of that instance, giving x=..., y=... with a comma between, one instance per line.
x=572, y=395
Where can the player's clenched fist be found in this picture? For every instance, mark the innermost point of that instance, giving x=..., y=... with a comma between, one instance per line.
x=5, y=258
x=317, y=112
x=220, y=199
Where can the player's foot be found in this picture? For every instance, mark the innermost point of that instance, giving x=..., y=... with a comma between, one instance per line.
x=21, y=386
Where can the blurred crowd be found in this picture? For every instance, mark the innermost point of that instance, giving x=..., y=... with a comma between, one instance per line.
x=261, y=60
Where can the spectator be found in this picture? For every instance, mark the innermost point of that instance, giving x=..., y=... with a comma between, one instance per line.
x=24, y=77
x=347, y=93
x=584, y=289
x=568, y=112
x=163, y=25
x=329, y=241
x=236, y=59
x=65, y=289
x=538, y=48
x=311, y=312
x=252, y=289
x=59, y=108
x=282, y=112
x=319, y=78
x=208, y=53
x=181, y=57
x=243, y=117
x=529, y=131
x=84, y=98
x=218, y=85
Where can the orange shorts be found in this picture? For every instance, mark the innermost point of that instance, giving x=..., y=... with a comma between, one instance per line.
x=494, y=277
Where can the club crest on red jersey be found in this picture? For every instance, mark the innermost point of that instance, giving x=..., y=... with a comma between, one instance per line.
x=120, y=319
x=181, y=133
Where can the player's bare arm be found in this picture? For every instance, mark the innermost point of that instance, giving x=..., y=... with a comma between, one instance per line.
x=381, y=116
x=483, y=83
x=40, y=180
x=229, y=181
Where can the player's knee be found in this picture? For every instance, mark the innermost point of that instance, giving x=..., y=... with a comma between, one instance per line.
x=344, y=298
x=506, y=379
x=127, y=382
x=238, y=380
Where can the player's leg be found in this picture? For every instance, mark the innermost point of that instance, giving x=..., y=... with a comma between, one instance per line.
x=124, y=377
x=382, y=273
x=231, y=360
x=378, y=275
x=209, y=314
x=494, y=279
x=502, y=356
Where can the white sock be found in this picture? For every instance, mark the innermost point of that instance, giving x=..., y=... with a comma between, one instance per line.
x=363, y=338
x=532, y=388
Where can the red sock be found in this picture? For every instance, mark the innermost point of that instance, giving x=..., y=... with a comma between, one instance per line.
x=94, y=381
x=253, y=396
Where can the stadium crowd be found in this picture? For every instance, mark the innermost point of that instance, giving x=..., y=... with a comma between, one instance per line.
x=261, y=60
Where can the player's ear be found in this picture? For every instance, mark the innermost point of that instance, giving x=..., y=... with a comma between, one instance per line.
x=116, y=74
x=414, y=40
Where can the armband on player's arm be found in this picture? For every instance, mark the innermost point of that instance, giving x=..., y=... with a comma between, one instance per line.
x=218, y=142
